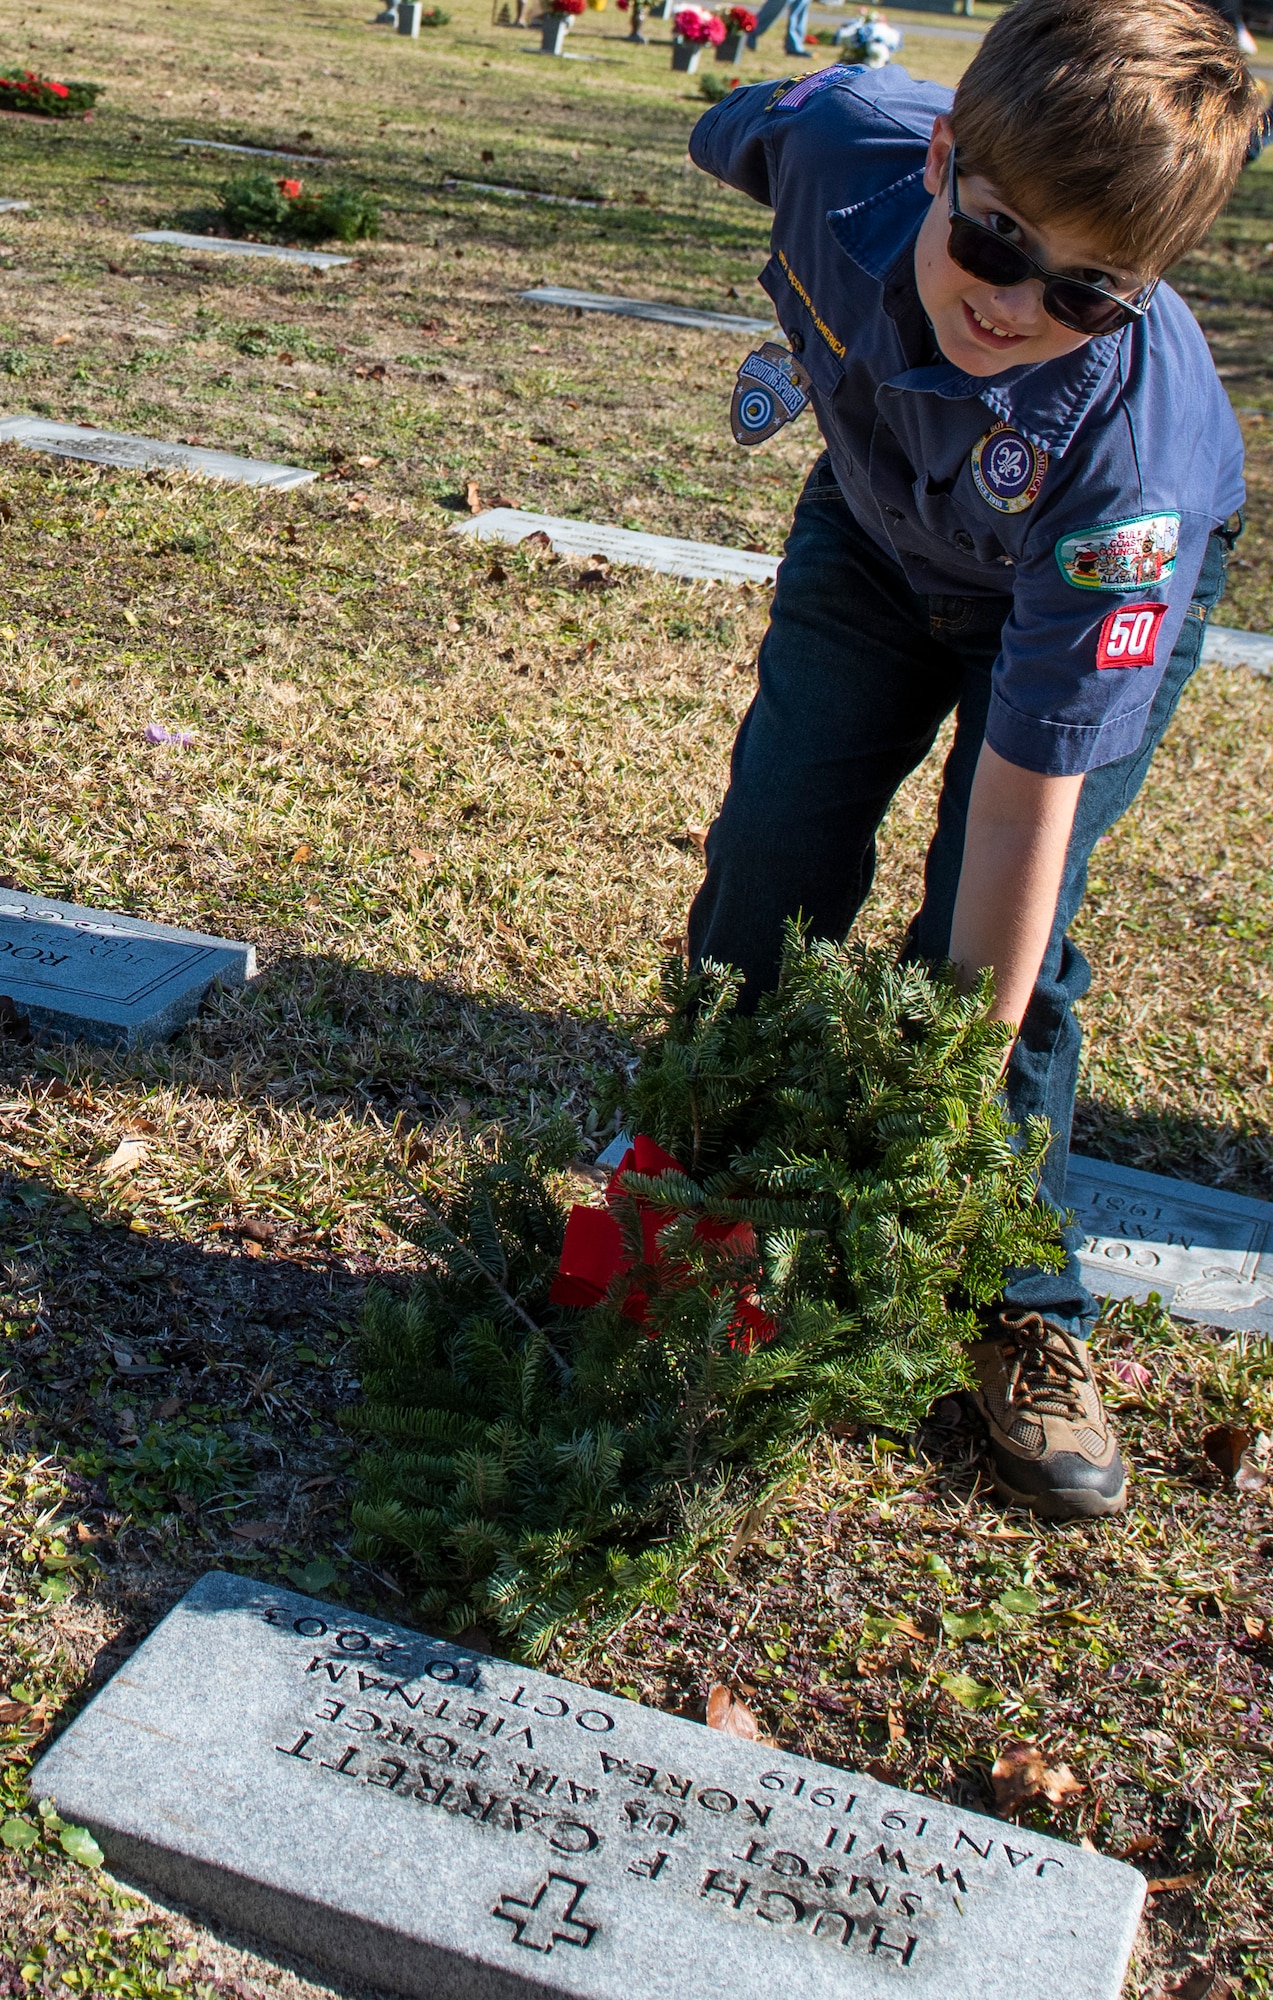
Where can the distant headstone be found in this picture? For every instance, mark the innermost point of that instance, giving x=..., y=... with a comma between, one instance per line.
x=91, y=976
x=1207, y=1253
x=705, y=560
x=8, y=205
x=1222, y=646
x=225, y=246
x=261, y=152
x=135, y=454
x=522, y=194
x=604, y=302
x=435, y=1822
x=409, y=12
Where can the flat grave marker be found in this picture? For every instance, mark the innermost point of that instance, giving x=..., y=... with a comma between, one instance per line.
x=436, y=1822
x=85, y=975
x=1223, y=646
x=521, y=194
x=136, y=454
x=9, y=205
x=1207, y=1253
x=226, y=246
x=694, y=560
x=261, y=152
x=655, y=309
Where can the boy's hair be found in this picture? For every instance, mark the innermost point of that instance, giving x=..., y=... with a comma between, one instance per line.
x=1130, y=119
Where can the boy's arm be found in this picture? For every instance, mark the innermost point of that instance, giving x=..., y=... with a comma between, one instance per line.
x=1019, y=825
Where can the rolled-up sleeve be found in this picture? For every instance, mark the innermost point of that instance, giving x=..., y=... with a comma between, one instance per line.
x=728, y=142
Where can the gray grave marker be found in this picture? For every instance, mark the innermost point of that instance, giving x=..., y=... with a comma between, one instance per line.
x=702, y=560
x=520, y=194
x=1208, y=1254
x=433, y=1821
x=93, y=976
x=261, y=152
x=319, y=260
x=1222, y=646
x=604, y=302
x=134, y=454
x=8, y=205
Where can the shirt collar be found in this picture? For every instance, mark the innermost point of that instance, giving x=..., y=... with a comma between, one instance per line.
x=1046, y=400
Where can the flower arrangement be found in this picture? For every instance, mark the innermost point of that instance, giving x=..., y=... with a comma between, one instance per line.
x=258, y=205
x=870, y=39
x=27, y=90
x=740, y=21
x=434, y=17
x=695, y=24
x=570, y=7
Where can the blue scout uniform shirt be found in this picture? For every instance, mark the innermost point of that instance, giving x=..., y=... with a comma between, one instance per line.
x=1084, y=488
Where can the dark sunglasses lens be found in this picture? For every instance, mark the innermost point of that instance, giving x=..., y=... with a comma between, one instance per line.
x=1082, y=309
x=979, y=253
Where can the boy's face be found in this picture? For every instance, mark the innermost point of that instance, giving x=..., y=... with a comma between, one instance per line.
x=983, y=329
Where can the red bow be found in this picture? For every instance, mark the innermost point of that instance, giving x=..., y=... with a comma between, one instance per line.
x=594, y=1254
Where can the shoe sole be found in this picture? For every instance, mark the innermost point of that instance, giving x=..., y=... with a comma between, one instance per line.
x=1067, y=1504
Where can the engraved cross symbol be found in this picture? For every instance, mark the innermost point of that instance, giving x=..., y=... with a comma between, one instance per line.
x=549, y=1917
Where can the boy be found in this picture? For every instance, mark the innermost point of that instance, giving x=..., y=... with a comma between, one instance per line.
x=1019, y=517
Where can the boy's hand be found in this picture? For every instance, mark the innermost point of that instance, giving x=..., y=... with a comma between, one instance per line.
x=1019, y=826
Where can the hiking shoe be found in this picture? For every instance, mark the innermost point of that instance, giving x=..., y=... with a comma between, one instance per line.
x=1051, y=1447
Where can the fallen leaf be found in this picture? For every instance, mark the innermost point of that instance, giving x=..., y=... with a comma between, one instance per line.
x=896, y=1725
x=727, y=1713
x=303, y=853
x=257, y=1531
x=62, y=339
x=1256, y=1628
x=472, y=496
x=366, y=463
x=970, y=1693
x=1019, y=1773
x=257, y=1228
x=1200, y=1985
x=170, y=1407
x=420, y=856
x=697, y=837
x=126, y=1158
x=1162, y=1885
x=251, y=1249
x=1224, y=1446
x=1140, y=1843
x=1248, y=1478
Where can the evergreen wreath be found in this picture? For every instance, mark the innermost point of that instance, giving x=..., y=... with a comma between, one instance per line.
x=849, y=1191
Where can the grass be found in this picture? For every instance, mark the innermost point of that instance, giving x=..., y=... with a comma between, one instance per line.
x=450, y=794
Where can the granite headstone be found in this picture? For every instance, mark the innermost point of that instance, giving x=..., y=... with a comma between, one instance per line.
x=136, y=454
x=437, y=1822
x=89, y=975
x=655, y=309
x=318, y=260
x=703, y=560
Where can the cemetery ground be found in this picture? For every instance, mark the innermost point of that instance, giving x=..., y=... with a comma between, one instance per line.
x=455, y=795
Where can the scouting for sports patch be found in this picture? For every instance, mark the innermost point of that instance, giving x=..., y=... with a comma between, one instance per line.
x=1008, y=469
x=1128, y=636
x=1122, y=555
x=771, y=389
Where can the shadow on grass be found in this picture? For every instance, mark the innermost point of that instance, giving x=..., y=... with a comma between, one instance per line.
x=1238, y=1158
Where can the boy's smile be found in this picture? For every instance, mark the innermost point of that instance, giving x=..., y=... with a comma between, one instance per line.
x=982, y=328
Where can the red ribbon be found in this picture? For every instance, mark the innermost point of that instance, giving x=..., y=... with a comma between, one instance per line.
x=594, y=1254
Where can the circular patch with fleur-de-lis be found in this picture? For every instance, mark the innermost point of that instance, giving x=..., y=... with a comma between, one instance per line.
x=1008, y=470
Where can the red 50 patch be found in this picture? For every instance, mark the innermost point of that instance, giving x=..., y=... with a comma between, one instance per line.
x=1128, y=636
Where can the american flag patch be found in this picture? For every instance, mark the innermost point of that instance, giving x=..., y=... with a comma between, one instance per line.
x=791, y=100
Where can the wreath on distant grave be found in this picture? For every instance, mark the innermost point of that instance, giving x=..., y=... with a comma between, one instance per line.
x=45, y=97
x=574, y=1404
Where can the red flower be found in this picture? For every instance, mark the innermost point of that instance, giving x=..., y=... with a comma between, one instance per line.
x=740, y=20
x=291, y=188
x=58, y=89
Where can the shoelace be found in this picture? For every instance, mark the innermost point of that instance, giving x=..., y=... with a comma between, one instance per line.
x=1046, y=1373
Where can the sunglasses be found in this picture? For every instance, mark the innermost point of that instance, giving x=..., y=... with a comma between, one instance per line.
x=1083, y=308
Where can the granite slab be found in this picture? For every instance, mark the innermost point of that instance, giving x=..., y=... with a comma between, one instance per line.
x=436, y=1822
x=655, y=309
x=135, y=454
x=261, y=152
x=8, y=205
x=702, y=560
x=319, y=260
x=1223, y=646
x=522, y=194
x=1207, y=1253
x=76, y=974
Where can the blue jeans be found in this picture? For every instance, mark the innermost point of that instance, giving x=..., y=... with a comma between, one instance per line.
x=857, y=673
x=797, y=21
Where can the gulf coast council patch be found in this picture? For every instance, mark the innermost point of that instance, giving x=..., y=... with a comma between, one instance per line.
x=1121, y=555
x=1008, y=470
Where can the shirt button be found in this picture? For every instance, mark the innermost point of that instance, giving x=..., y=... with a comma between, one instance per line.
x=962, y=539
x=796, y=342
